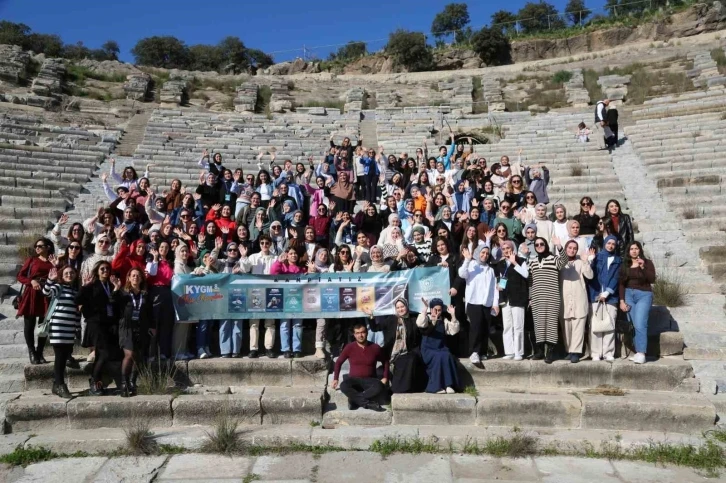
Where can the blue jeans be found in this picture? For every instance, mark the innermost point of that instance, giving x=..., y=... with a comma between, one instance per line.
x=203, y=336
x=297, y=333
x=640, y=302
x=375, y=337
x=230, y=337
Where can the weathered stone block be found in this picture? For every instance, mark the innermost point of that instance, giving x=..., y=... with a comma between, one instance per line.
x=566, y=374
x=30, y=413
x=663, y=376
x=240, y=372
x=204, y=409
x=433, y=409
x=292, y=405
x=116, y=411
x=648, y=411
x=496, y=373
x=309, y=371
x=552, y=410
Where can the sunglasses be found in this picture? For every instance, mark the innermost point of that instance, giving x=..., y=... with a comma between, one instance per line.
x=185, y=216
x=516, y=181
x=585, y=203
x=40, y=246
x=346, y=252
x=505, y=207
x=105, y=242
x=539, y=244
x=231, y=249
x=532, y=197
x=276, y=227
x=264, y=243
x=74, y=247
x=417, y=214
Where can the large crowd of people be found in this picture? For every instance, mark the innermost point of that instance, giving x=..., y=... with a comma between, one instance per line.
x=525, y=279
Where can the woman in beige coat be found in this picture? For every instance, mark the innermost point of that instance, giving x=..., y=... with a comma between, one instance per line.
x=575, y=304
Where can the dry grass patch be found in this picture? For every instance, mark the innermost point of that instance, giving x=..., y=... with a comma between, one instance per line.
x=606, y=390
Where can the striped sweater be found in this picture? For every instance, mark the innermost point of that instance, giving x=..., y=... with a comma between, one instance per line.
x=66, y=318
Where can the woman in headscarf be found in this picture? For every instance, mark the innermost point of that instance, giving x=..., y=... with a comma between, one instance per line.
x=402, y=346
x=537, y=178
x=368, y=222
x=445, y=219
x=545, y=228
x=482, y=300
x=544, y=282
x=343, y=193
x=462, y=196
x=377, y=262
x=440, y=364
x=603, y=289
x=259, y=225
x=559, y=225
x=392, y=249
x=173, y=198
x=575, y=306
x=573, y=234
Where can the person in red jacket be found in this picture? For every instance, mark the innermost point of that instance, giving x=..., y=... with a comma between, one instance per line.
x=32, y=305
x=127, y=258
x=221, y=215
x=321, y=225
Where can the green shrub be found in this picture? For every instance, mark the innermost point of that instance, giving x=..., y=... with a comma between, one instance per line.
x=410, y=50
x=562, y=76
x=27, y=456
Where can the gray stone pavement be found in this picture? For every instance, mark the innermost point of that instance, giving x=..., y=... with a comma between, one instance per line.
x=353, y=466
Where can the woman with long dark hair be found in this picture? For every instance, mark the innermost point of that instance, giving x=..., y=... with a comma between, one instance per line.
x=161, y=271
x=637, y=276
x=31, y=303
x=94, y=300
x=136, y=325
x=65, y=320
x=622, y=225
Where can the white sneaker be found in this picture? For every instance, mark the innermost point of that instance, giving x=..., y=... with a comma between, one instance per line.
x=203, y=355
x=596, y=358
x=508, y=357
x=631, y=358
x=319, y=354
x=441, y=392
x=450, y=390
x=474, y=358
x=517, y=358
x=610, y=358
x=639, y=358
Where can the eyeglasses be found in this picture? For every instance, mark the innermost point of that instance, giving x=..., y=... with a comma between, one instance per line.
x=264, y=243
x=539, y=244
x=501, y=231
x=516, y=181
x=74, y=247
x=505, y=207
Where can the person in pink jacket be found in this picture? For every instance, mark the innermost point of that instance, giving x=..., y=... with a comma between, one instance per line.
x=289, y=263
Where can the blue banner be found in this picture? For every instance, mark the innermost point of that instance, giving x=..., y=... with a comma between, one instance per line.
x=328, y=295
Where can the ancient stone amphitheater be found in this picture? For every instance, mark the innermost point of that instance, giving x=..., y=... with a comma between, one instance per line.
x=669, y=175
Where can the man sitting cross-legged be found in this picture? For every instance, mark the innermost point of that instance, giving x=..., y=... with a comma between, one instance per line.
x=362, y=386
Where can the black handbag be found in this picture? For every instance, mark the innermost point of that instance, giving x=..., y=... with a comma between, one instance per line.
x=624, y=327
x=17, y=298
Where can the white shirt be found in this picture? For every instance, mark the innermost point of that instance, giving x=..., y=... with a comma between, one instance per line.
x=480, y=284
x=257, y=263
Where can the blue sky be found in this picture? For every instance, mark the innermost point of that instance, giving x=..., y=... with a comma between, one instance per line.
x=271, y=25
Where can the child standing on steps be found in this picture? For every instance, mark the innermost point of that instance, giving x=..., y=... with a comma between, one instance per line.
x=583, y=133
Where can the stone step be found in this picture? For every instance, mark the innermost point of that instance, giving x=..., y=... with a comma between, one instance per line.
x=38, y=409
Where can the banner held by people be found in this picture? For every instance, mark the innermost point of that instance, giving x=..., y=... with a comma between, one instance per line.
x=330, y=296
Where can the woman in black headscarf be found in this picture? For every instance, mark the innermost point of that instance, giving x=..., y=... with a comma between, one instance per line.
x=402, y=345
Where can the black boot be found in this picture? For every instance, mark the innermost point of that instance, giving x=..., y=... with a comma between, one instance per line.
x=132, y=387
x=125, y=387
x=95, y=387
x=72, y=363
x=538, y=352
x=61, y=390
x=31, y=355
x=39, y=351
x=550, y=357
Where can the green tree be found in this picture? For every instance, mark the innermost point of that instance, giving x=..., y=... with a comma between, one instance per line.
x=537, y=17
x=167, y=51
x=233, y=51
x=76, y=51
x=111, y=49
x=454, y=16
x=577, y=12
x=504, y=21
x=205, y=57
x=50, y=45
x=492, y=46
x=350, y=51
x=611, y=8
x=410, y=50
x=259, y=59
x=14, y=33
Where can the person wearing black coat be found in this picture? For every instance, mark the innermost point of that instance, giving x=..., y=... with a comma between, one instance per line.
x=94, y=298
x=402, y=345
x=137, y=324
x=512, y=273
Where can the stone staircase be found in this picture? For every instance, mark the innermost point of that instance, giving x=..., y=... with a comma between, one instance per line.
x=133, y=134
x=368, y=129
